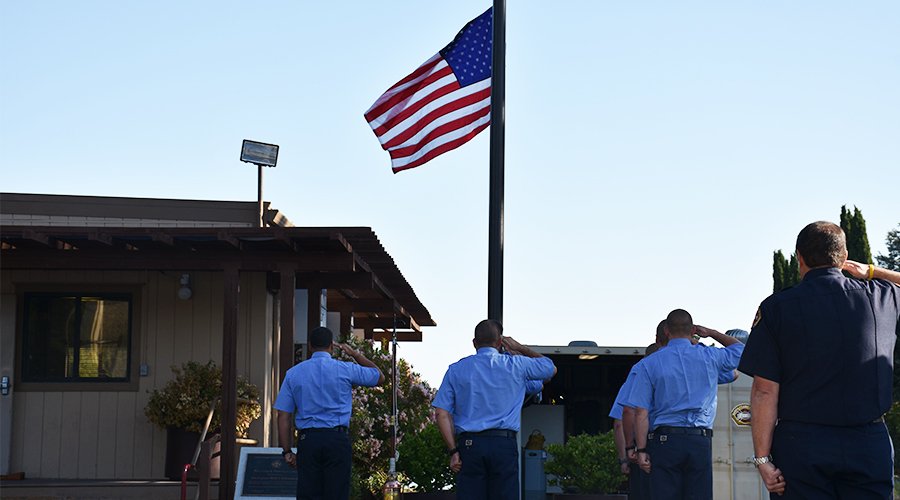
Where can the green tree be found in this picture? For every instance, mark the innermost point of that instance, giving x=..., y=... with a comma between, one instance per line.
x=892, y=259
x=784, y=273
x=423, y=460
x=778, y=265
x=792, y=273
x=854, y=226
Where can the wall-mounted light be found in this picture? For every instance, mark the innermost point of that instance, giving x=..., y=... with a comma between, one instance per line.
x=184, y=288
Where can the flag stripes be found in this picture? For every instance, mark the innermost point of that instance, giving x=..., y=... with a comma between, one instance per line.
x=428, y=112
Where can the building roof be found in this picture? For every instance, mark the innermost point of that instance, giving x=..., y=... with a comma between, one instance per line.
x=39, y=231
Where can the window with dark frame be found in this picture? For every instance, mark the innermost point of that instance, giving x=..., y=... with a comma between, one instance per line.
x=69, y=337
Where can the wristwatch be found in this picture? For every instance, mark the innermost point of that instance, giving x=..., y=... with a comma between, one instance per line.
x=757, y=461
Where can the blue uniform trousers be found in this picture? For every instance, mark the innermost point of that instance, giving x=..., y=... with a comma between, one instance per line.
x=490, y=467
x=323, y=465
x=829, y=462
x=680, y=466
x=638, y=483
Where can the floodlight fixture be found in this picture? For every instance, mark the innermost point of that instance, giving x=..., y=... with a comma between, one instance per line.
x=262, y=155
x=259, y=153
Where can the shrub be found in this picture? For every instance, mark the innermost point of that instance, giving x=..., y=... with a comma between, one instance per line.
x=424, y=460
x=184, y=402
x=587, y=463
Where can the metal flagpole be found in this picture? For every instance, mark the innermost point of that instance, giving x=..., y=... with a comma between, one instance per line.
x=498, y=119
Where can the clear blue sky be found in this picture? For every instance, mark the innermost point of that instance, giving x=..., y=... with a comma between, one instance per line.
x=657, y=152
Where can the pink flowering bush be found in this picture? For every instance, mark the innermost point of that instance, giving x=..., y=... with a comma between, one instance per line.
x=370, y=425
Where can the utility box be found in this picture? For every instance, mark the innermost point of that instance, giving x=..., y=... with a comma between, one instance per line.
x=534, y=481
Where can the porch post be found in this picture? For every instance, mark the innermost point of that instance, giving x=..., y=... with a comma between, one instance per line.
x=286, y=307
x=229, y=381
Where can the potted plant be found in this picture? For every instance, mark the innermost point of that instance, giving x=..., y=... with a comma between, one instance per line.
x=182, y=407
x=423, y=462
x=586, y=467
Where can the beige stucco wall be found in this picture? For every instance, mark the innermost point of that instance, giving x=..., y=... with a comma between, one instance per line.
x=77, y=434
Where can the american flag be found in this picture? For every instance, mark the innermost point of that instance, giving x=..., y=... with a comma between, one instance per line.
x=442, y=104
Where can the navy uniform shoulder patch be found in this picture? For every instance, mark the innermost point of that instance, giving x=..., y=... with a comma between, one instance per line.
x=758, y=317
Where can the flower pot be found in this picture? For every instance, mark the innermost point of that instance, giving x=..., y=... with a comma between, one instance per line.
x=180, y=446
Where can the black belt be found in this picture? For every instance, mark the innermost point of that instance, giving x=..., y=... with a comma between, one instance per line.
x=695, y=431
x=490, y=432
x=339, y=428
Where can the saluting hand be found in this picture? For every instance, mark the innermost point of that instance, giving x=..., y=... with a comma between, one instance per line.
x=772, y=478
x=702, y=331
x=349, y=351
x=856, y=269
x=511, y=345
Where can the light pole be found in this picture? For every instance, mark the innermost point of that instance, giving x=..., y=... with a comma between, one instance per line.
x=262, y=155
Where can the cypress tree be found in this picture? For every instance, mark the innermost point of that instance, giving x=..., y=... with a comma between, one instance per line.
x=784, y=273
x=854, y=226
x=792, y=272
x=778, y=266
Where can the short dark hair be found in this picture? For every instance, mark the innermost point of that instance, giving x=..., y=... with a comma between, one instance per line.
x=680, y=323
x=661, y=332
x=487, y=332
x=822, y=244
x=651, y=349
x=320, y=337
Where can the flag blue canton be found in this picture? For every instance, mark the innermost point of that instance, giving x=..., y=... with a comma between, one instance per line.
x=469, y=54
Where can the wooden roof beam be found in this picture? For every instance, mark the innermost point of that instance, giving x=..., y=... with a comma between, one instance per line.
x=164, y=238
x=228, y=238
x=336, y=280
x=101, y=238
x=41, y=238
x=384, y=323
x=401, y=336
x=362, y=305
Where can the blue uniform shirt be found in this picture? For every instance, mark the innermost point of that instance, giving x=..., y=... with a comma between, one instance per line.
x=485, y=390
x=678, y=384
x=619, y=403
x=318, y=390
x=829, y=343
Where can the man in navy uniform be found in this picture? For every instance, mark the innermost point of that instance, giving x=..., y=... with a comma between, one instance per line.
x=821, y=357
x=676, y=390
x=318, y=393
x=478, y=408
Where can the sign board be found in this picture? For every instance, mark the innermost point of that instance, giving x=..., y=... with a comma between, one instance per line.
x=263, y=473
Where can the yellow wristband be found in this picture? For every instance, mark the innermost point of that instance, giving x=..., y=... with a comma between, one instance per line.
x=871, y=272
